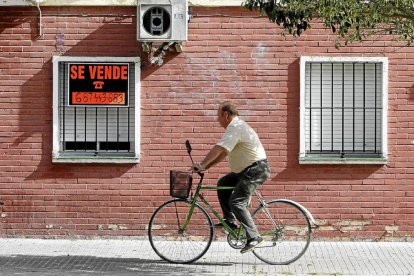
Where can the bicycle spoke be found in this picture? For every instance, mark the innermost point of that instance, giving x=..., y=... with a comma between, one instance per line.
x=286, y=231
x=170, y=241
x=177, y=216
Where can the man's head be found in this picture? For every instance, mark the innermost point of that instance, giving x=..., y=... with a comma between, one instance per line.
x=225, y=113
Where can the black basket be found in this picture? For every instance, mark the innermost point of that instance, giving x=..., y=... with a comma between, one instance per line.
x=180, y=184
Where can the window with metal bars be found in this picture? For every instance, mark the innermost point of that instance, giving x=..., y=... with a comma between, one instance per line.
x=95, y=133
x=343, y=110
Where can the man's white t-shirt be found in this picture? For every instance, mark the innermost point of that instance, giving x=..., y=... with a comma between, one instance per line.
x=243, y=145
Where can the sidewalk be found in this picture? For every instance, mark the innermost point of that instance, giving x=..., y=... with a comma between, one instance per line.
x=136, y=257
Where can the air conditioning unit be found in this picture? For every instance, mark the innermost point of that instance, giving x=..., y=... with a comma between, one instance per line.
x=162, y=20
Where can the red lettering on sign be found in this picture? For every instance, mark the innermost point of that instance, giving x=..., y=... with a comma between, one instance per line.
x=116, y=73
x=92, y=72
x=77, y=72
x=100, y=72
x=108, y=72
x=124, y=72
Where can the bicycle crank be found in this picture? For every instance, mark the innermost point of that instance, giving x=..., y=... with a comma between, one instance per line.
x=236, y=243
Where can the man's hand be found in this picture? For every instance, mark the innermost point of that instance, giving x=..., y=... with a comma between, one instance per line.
x=198, y=167
x=214, y=156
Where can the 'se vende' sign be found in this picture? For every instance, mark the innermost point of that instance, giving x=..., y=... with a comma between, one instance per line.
x=98, y=84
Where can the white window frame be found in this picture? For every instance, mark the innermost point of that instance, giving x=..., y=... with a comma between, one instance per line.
x=56, y=156
x=303, y=158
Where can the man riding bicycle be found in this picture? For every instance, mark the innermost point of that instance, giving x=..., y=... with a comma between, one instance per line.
x=249, y=169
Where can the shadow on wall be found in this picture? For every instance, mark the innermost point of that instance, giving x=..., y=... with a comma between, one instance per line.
x=115, y=36
x=411, y=91
x=11, y=20
x=310, y=173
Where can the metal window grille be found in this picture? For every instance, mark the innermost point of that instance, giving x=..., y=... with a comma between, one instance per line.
x=95, y=130
x=343, y=109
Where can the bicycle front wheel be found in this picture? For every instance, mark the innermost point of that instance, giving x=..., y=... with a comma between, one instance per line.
x=174, y=243
x=286, y=231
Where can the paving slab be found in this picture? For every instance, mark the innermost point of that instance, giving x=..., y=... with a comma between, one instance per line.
x=136, y=257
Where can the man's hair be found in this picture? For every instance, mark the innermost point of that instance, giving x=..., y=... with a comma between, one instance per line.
x=229, y=108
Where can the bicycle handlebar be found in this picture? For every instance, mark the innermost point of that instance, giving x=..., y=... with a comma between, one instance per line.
x=189, y=149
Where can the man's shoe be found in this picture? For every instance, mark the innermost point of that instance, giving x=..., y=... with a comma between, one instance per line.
x=231, y=224
x=251, y=244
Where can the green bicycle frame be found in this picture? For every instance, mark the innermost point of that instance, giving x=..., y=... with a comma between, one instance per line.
x=233, y=232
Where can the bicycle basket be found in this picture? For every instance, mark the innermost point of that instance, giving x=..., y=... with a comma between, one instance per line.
x=180, y=184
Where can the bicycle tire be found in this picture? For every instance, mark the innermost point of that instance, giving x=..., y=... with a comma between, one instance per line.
x=180, y=247
x=286, y=242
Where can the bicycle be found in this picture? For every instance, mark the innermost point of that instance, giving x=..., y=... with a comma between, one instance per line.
x=181, y=230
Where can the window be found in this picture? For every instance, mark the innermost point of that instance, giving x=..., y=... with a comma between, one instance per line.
x=96, y=109
x=343, y=110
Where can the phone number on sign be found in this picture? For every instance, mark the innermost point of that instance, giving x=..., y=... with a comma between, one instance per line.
x=98, y=98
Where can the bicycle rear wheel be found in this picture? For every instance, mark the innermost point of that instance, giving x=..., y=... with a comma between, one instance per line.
x=172, y=243
x=286, y=231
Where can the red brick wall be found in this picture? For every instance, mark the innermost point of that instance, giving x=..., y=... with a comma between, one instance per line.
x=231, y=54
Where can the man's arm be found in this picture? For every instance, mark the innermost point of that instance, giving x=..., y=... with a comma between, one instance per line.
x=215, y=156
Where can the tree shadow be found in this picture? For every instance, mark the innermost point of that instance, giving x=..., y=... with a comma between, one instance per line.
x=411, y=91
x=35, y=118
x=54, y=265
x=30, y=15
x=27, y=130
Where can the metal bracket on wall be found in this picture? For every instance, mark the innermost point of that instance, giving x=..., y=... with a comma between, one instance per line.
x=156, y=53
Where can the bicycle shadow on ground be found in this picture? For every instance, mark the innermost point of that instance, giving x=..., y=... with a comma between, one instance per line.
x=58, y=265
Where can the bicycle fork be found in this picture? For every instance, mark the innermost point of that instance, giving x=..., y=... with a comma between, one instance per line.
x=181, y=230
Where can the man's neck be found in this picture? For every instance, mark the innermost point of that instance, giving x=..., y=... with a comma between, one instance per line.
x=231, y=120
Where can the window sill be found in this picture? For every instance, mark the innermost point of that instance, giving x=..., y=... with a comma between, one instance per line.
x=89, y=159
x=345, y=161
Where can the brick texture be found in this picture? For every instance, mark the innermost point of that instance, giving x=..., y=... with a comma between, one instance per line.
x=231, y=54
